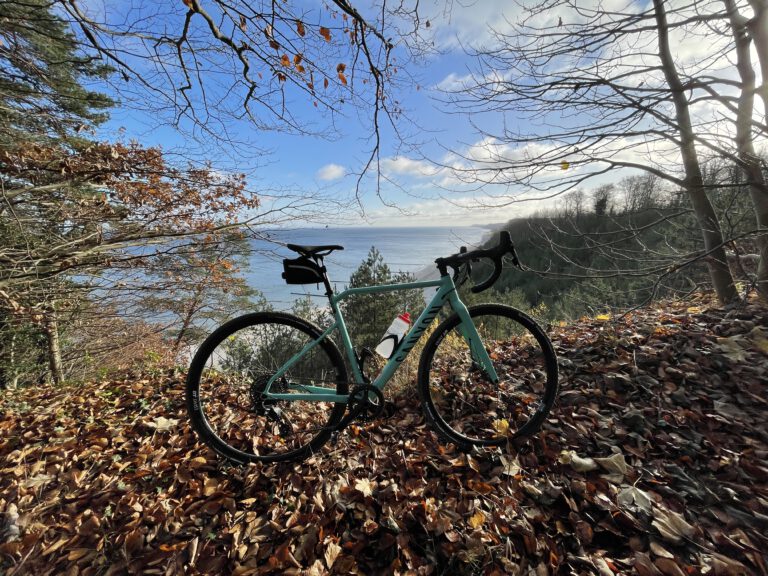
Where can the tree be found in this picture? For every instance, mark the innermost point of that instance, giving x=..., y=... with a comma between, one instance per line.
x=745, y=33
x=42, y=103
x=574, y=203
x=599, y=262
x=89, y=229
x=42, y=73
x=204, y=66
x=84, y=211
x=601, y=199
x=641, y=191
x=694, y=181
x=20, y=344
x=196, y=286
x=368, y=315
x=604, y=91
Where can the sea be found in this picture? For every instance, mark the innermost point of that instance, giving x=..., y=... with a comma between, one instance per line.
x=412, y=250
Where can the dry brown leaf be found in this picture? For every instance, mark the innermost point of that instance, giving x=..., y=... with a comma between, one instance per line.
x=668, y=567
x=633, y=498
x=645, y=566
x=55, y=546
x=332, y=551
x=672, y=526
x=163, y=424
x=38, y=481
x=77, y=553
x=616, y=467
x=365, y=486
x=477, y=519
x=577, y=462
x=134, y=540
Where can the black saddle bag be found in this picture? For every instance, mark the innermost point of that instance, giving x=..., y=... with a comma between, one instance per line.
x=302, y=270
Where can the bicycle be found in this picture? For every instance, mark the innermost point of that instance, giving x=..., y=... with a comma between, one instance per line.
x=271, y=386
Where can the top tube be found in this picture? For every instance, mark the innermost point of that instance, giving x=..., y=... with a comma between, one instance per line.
x=385, y=288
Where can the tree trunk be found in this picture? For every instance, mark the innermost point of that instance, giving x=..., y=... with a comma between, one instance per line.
x=758, y=29
x=187, y=322
x=9, y=376
x=51, y=327
x=722, y=279
x=751, y=168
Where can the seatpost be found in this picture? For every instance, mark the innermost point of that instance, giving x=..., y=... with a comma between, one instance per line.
x=326, y=282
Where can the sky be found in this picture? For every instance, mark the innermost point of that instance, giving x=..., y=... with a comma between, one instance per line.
x=327, y=166
x=318, y=174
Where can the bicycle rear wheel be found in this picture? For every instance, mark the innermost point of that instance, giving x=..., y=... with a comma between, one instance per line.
x=229, y=373
x=462, y=403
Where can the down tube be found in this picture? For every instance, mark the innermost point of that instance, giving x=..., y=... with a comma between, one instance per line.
x=419, y=327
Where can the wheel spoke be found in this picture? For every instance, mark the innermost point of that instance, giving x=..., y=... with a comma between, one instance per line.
x=463, y=401
x=230, y=375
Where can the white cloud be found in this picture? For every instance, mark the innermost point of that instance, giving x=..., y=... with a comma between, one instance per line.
x=331, y=172
x=472, y=22
x=402, y=166
x=454, y=82
x=459, y=210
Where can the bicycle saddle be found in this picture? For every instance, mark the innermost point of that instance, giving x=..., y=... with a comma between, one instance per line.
x=314, y=250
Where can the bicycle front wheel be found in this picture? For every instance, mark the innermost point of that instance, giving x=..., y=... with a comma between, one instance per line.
x=228, y=377
x=459, y=399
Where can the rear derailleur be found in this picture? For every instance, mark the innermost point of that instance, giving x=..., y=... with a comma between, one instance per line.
x=268, y=407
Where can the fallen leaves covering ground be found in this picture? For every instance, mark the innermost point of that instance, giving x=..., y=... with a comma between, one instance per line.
x=653, y=461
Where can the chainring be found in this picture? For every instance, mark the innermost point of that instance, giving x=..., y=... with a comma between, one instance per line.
x=363, y=406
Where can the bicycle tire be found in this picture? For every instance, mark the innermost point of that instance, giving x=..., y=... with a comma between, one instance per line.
x=459, y=400
x=227, y=376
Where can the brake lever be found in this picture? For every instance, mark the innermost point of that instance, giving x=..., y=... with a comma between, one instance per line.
x=457, y=269
x=515, y=259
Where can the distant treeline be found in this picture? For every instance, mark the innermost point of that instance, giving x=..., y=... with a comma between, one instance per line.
x=619, y=246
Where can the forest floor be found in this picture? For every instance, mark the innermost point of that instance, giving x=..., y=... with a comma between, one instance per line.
x=653, y=461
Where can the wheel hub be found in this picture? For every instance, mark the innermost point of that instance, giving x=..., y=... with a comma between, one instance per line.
x=268, y=406
x=259, y=385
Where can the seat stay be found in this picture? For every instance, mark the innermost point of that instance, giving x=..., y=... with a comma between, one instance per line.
x=290, y=363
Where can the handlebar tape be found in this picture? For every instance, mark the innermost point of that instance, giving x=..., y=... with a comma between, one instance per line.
x=495, y=254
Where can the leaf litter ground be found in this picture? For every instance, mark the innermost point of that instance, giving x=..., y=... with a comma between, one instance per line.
x=652, y=462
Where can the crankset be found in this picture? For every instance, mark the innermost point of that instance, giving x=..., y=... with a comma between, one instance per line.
x=366, y=403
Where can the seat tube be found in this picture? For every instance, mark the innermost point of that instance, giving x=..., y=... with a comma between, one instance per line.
x=472, y=338
x=345, y=339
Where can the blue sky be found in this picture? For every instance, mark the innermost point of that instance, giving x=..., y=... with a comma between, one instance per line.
x=317, y=175
x=284, y=163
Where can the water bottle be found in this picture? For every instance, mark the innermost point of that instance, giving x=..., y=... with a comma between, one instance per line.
x=394, y=335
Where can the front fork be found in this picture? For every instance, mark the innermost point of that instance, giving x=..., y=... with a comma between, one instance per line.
x=472, y=338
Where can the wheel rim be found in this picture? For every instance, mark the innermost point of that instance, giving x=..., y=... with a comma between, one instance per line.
x=232, y=382
x=464, y=399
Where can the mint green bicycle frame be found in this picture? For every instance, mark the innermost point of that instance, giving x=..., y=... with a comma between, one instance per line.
x=446, y=292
